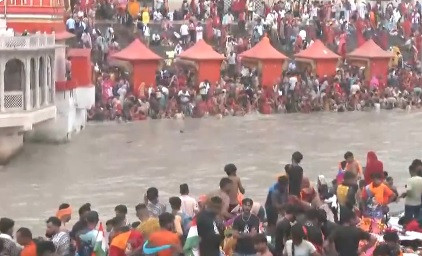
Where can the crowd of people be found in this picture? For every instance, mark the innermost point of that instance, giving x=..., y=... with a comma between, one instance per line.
x=235, y=26
x=348, y=216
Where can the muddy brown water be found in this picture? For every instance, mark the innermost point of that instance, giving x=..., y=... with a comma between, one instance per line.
x=110, y=163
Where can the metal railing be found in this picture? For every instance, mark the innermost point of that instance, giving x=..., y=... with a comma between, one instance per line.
x=27, y=42
x=13, y=100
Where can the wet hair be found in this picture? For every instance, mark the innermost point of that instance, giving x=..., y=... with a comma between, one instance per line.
x=297, y=232
x=6, y=224
x=44, y=247
x=412, y=168
x=312, y=214
x=216, y=200
x=121, y=209
x=92, y=217
x=118, y=221
x=55, y=221
x=152, y=193
x=184, y=189
x=382, y=250
x=140, y=207
x=230, y=169
x=247, y=201
x=416, y=163
x=362, y=184
x=283, y=180
x=391, y=236
x=64, y=206
x=376, y=176
x=343, y=164
x=165, y=219
x=25, y=232
x=349, y=175
x=297, y=156
x=135, y=224
x=84, y=209
x=224, y=182
x=175, y=203
x=110, y=222
x=260, y=239
x=348, y=154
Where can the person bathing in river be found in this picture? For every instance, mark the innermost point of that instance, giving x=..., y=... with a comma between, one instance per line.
x=373, y=165
x=295, y=174
x=352, y=164
x=231, y=171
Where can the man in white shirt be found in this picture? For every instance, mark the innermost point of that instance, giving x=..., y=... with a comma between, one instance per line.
x=292, y=82
x=231, y=60
x=184, y=98
x=413, y=194
x=189, y=204
x=204, y=87
x=184, y=33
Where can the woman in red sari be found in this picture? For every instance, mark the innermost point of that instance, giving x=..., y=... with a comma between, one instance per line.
x=373, y=165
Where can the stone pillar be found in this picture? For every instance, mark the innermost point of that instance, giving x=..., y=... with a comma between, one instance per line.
x=27, y=91
x=53, y=79
x=45, y=79
x=37, y=82
x=2, y=68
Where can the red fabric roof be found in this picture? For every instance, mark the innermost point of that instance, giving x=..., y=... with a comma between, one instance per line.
x=317, y=51
x=136, y=51
x=370, y=50
x=78, y=52
x=263, y=51
x=201, y=51
x=63, y=35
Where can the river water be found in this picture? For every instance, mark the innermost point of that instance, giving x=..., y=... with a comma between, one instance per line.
x=110, y=163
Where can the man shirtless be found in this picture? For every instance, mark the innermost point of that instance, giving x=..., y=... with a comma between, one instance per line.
x=237, y=187
x=353, y=165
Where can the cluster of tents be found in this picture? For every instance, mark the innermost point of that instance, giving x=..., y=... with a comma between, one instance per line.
x=269, y=61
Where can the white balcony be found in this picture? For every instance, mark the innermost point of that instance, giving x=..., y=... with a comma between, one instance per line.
x=31, y=42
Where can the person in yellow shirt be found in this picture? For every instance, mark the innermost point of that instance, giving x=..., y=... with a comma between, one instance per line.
x=148, y=224
x=145, y=16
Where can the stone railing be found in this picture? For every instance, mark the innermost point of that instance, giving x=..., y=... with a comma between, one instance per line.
x=27, y=42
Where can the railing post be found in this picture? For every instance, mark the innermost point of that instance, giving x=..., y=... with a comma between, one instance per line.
x=2, y=68
x=28, y=83
x=45, y=79
x=37, y=82
x=53, y=80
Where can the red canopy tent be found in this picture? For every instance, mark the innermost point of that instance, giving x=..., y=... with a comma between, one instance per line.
x=373, y=58
x=204, y=60
x=145, y=63
x=268, y=60
x=323, y=60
